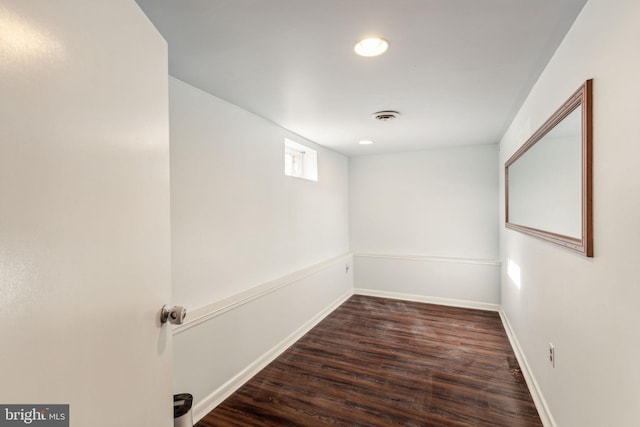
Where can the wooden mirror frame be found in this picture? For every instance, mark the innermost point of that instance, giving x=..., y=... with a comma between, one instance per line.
x=584, y=245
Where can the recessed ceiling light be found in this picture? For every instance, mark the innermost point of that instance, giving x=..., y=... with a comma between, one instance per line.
x=372, y=46
x=365, y=142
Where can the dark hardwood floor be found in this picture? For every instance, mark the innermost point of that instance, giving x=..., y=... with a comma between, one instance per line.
x=382, y=362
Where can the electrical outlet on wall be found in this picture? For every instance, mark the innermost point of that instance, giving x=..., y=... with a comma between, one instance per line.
x=552, y=355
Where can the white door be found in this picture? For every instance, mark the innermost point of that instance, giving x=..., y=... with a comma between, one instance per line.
x=84, y=211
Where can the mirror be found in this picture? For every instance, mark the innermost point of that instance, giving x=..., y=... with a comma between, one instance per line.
x=548, y=181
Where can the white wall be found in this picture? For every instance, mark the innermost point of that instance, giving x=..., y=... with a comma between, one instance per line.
x=258, y=257
x=240, y=336
x=237, y=221
x=84, y=212
x=416, y=218
x=588, y=308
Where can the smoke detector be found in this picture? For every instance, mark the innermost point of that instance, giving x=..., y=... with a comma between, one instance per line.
x=385, y=116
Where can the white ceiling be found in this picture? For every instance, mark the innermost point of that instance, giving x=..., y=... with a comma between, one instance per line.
x=456, y=70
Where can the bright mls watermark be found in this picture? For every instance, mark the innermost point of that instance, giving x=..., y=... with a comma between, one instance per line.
x=34, y=415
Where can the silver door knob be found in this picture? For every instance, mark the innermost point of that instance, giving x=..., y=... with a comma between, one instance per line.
x=174, y=315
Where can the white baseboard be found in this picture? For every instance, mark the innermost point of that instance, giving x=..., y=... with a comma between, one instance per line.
x=532, y=384
x=207, y=404
x=430, y=300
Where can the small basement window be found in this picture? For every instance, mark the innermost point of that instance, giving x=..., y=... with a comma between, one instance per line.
x=300, y=161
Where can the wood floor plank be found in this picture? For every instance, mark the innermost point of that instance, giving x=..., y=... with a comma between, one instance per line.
x=382, y=362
